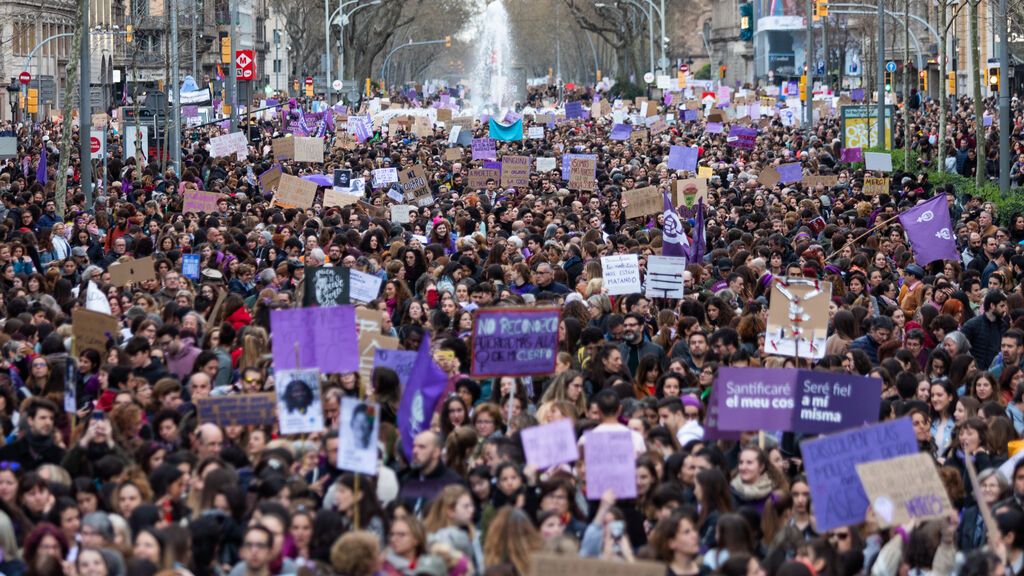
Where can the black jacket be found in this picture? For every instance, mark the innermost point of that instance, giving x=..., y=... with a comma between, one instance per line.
x=32, y=454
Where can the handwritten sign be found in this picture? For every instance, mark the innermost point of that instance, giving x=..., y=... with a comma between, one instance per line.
x=545, y=164
x=478, y=177
x=611, y=463
x=483, y=149
x=294, y=192
x=582, y=174
x=621, y=274
x=535, y=133
x=335, y=197
x=302, y=330
x=414, y=183
x=199, y=201
x=132, y=271
x=308, y=149
x=550, y=445
x=453, y=154
x=572, y=565
x=904, y=488
x=665, y=276
x=514, y=342
x=876, y=186
x=283, y=148
x=384, y=176
x=643, y=201
x=92, y=330
x=401, y=361
x=232, y=144
x=238, y=410
x=270, y=178
x=515, y=171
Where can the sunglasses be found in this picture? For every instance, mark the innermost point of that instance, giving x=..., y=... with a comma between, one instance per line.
x=8, y=465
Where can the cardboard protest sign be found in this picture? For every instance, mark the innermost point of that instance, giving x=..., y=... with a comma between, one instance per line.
x=238, y=410
x=789, y=173
x=371, y=340
x=294, y=192
x=199, y=201
x=642, y=201
x=813, y=322
x=137, y=270
x=444, y=115
x=611, y=463
x=93, y=330
x=228, y=145
x=299, y=410
x=621, y=274
x=400, y=213
x=572, y=565
x=550, y=445
x=904, y=488
x=705, y=172
x=283, y=148
x=830, y=461
x=357, y=441
x=414, y=183
x=515, y=171
x=768, y=177
x=689, y=191
x=795, y=400
x=582, y=174
x=270, y=178
x=478, y=177
x=334, y=197
x=483, y=149
x=384, y=176
x=658, y=126
x=297, y=335
x=665, y=276
x=815, y=181
x=326, y=286
x=453, y=154
x=363, y=287
x=876, y=186
x=514, y=342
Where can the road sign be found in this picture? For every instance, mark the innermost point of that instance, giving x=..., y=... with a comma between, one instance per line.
x=890, y=66
x=684, y=68
x=649, y=77
x=245, y=65
x=94, y=144
x=24, y=78
x=663, y=63
x=97, y=139
x=336, y=84
x=309, y=80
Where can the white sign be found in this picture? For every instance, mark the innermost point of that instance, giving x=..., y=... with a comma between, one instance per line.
x=130, y=135
x=228, y=145
x=299, y=410
x=98, y=143
x=881, y=161
x=453, y=136
x=665, y=276
x=400, y=213
x=535, y=133
x=621, y=274
x=545, y=164
x=357, y=441
x=363, y=287
x=384, y=176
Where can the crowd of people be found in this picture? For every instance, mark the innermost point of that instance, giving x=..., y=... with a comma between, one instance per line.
x=106, y=468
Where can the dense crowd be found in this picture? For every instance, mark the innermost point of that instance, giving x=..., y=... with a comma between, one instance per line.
x=124, y=478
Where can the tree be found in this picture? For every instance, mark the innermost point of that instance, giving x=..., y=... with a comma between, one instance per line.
x=66, y=148
x=619, y=29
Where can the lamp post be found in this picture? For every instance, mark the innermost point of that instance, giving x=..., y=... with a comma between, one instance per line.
x=341, y=35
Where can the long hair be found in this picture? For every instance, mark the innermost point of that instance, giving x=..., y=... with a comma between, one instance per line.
x=511, y=538
x=714, y=495
x=559, y=390
x=437, y=514
x=665, y=532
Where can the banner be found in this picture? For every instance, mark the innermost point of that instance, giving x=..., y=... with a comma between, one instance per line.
x=238, y=410
x=514, y=342
x=511, y=133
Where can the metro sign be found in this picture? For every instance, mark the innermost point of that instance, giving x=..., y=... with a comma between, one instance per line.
x=245, y=65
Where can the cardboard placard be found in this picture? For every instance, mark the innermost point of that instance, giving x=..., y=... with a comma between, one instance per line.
x=642, y=201
x=308, y=149
x=270, y=179
x=238, y=410
x=344, y=140
x=453, y=154
x=283, y=148
x=92, y=330
x=371, y=340
x=478, y=177
x=515, y=171
x=779, y=339
x=294, y=192
x=826, y=181
x=444, y=115
x=689, y=191
x=400, y=213
x=139, y=270
x=903, y=489
x=572, y=565
x=876, y=186
x=414, y=182
x=768, y=177
x=582, y=174
x=333, y=197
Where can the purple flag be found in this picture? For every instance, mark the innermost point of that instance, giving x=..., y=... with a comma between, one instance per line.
x=673, y=240
x=930, y=232
x=41, y=167
x=621, y=132
x=426, y=385
x=699, y=245
x=852, y=155
x=789, y=173
x=682, y=158
x=668, y=99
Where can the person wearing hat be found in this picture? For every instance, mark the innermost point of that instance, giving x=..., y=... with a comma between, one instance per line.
x=912, y=292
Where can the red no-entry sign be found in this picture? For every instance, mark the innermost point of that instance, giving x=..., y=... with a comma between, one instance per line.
x=25, y=78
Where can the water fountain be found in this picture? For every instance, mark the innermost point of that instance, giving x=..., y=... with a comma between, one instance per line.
x=489, y=82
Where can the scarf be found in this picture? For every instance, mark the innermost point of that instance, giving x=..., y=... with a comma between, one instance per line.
x=756, y=491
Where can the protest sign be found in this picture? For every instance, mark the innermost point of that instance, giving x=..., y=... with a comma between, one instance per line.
x=620, y=132
x=514, y=342
x=232, y=144
x=711, y=418
x=814, y=181
x=483, y=149
x=297, y=335
x=830, y=462
x=294, y=192
x=876, y=186
x=414, y=183
x=335, y=197
x=879, y=161
x=453, y=154
x=689, y=191
x=199, y=201
x=611, y=463
x=742, y=137
x=283, y=148
x=665, y=276
x=582, y=174
x=190, y=266
x=682, y=158
x=478, y=177
x=371, y=340
x=535, y=133
x=550, y=445
x=813, y=301
x=444, y=115
x=547, y=564
x=546, y=164
x=384, y=176
x=270, y=178
x=343, y=179
x=132, y=271
x=326, y=286
x=621, y=274
x=400, y=213
x=401, y=361
x=515, y=171
x=573, y=110
x=92, y=330
x=363, y=287
x=642, y=201
x=789, y=173
x=904, y=488
x=705, y=172
x=658, y=126
x=357, y=441
x=238, y=410
x=852, y=155
x=299, y=410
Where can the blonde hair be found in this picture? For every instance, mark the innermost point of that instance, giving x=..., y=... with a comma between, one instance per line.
x=512, y=538
x=444, y=502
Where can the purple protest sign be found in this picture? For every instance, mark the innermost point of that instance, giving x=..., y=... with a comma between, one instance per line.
x=688, y=115
x=573, y=110
x=829, y=401
x=611, y=463
x=755, y=398
x=857, y=94
x=789, y=173
x=831, y=466
x=514, y=342
x=401, y=361
x=297, y=335
x=714, y=128
x=492, y=165
x=742, y=137
x=682, y=158
x=190, y=111
x=852, y=155
x=711, y=429
x=667, y=99
x=483, y=149
x=620, y=132
x=550, y=445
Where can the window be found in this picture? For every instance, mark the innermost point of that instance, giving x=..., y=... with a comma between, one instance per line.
x=277, y=36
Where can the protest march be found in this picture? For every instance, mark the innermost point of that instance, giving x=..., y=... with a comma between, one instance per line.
x=691, y=333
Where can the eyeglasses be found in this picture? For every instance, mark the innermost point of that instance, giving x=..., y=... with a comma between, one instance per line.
x=256, y=545
x=8, y=465
x=841, y=536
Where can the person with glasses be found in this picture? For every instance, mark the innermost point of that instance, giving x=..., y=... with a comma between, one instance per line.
x=635, y=345
x=255, y=552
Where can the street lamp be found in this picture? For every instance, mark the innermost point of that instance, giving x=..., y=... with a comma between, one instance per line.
x=328, y=20
x=12, y=89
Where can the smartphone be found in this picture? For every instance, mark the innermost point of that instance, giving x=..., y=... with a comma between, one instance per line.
x=99, y=415
x=617, y=527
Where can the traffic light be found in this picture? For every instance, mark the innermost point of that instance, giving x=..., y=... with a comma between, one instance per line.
x=888, y=81
x=225, y=50
x=820, y=10
x=993, y=79
x=923, y=75
x=129, y=33
x=951, y=82
x=447, y=41
x=721, y=71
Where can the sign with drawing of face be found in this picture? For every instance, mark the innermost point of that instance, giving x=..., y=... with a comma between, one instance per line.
x=299, y=410
x=357, y=436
